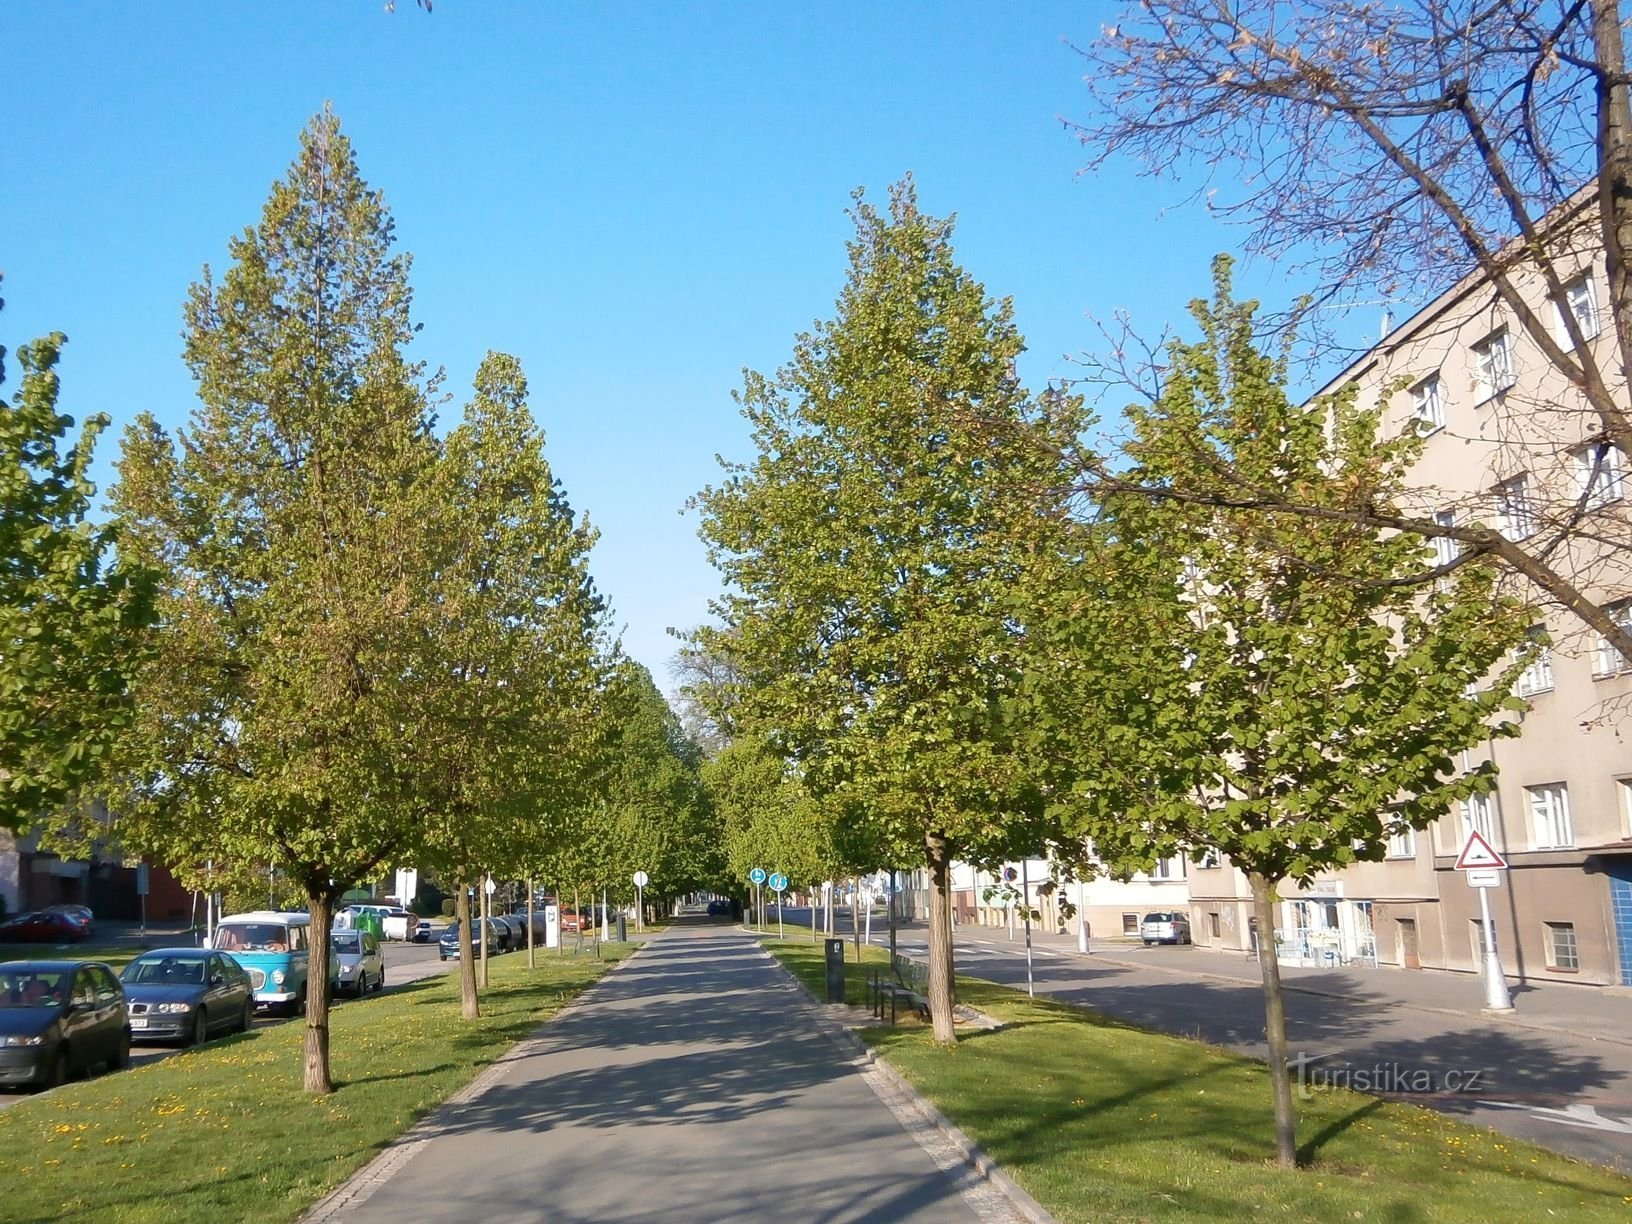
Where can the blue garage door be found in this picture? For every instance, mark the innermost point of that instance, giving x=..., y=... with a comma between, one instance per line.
x=1620, y=904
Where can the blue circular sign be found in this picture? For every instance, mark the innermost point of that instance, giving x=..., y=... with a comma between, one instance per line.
x=757, y=875
x=778, y=882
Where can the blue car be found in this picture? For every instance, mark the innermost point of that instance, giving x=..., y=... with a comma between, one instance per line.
x=187, y=995
x=58, y=1018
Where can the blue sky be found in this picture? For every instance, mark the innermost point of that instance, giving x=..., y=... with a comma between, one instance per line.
x=637, y=200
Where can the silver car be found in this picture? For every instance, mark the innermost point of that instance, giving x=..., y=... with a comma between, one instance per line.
x=1166, y=926
x=362, y=968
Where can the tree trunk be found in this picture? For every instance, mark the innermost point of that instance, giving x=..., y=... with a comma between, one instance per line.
x=940, y=939
x=469, y=1007
x=321, y=907
x=531, y=964
x=484, y=905
x=1280, y=1077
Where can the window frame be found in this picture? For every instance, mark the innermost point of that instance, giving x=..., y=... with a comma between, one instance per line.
x=1589, y=326
x=1548, y=804
x=1428, y=404
x=1470, y=824
x=1552, y=933
x=1515, y=516
x=1537, y=677
x=1493, y=367
x=1607, y=660
x=1402, y=845
x=1605, y=460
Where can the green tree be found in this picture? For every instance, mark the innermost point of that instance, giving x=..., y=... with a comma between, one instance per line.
x=293, y=558
x=875, y=546
x=1274, y=690
x=73, y=620
x=510, y=658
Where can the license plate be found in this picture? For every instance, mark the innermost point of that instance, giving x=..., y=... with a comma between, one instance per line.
x=138, y=1022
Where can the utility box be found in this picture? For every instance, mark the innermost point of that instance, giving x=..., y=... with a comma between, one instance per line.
x=835, y=970
x=623, y=927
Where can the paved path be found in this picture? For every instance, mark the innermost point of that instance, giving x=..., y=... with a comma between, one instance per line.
x=680, y=1090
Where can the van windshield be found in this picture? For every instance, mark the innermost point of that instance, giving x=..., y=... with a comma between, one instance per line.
x=252, y=937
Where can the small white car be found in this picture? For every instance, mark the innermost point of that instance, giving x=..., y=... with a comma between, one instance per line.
x=1167, y=926
x=362, y=968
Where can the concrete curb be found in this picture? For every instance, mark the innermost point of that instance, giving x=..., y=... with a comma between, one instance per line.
x=862, y=1057
x=361, y=1185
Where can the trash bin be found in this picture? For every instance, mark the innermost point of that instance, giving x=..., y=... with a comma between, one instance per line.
x=623, y=926
x=835, y=970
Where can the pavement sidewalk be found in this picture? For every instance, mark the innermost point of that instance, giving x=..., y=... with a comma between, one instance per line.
x=678, y=1089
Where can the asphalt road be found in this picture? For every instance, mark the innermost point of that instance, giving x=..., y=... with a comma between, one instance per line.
x=1566, y=1091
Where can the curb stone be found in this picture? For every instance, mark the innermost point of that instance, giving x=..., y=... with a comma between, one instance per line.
x=362, y=1184
x=974, y=1159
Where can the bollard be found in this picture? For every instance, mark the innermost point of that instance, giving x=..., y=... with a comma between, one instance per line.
x=835, y=970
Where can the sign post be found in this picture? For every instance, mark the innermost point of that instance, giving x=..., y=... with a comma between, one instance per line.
x=1082, y=916
x=756, y=877
x=1483, y=867
x=778, y=883
x=641, y=880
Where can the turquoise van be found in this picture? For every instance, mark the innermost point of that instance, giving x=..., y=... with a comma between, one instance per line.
x=274, y=948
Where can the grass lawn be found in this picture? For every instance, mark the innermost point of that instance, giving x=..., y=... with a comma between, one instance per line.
x=225, y=1132
x=88, y=951
x=1102, y=1121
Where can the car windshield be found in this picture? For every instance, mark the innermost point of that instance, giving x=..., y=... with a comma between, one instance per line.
x=32, y=987
x=1158, y=917
x=452, y=931
x=347, y=942
x=165, y=971
x=252, y=937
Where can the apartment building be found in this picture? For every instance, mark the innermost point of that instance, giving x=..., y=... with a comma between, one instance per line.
x=1113, y=907
x=1510, y=444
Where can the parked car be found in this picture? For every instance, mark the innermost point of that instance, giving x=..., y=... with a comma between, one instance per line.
x=362, y=968
x=448, y=945
x=422, y=932
x=717, y=907
x=79, y=915
x=273, y=947
x=42, y=926
x=58, y=1018
x=1165, y=927
x=187, y=995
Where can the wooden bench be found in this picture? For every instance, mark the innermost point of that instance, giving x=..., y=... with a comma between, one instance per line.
x=907, y=983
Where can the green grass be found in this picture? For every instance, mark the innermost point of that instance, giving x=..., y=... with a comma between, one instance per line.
x=1102, y=1121
x=115, y=956
x=225, y=1132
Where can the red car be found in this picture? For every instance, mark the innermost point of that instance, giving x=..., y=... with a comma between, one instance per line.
x=42, y=926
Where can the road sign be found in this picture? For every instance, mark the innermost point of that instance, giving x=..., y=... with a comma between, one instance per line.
x=491, y=886
x=641, y=879
x=1479, y=855
x=1010, y=874
x=1484, y=878
x=757, y=875
x=778, y=882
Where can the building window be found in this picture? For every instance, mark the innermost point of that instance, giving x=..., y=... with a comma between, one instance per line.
x=1610, y=660
x=1476, y=931
x=1402, y=844
x=1211, y=858
x=1561, y=949
x=1624, y=787
x=1445, y=548
x=1479, y=816
x=1493, y=364
x=1213, y=924
x=1537, y=677
x=1130, y=924
x=1600, y=474
x=1168, y=868
x=1428, y=404
x=1580, y=298
x=1515, y=518
x=1550, y=816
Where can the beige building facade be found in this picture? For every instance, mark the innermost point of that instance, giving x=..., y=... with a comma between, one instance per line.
x=1509, y=444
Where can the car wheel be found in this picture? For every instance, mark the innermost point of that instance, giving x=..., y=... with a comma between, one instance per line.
x=121, y=1053
x=362, y=984
x=379, y=983
x=299, y=1005
x=248, y=1018
x=56, y=1070
x=201, y=1028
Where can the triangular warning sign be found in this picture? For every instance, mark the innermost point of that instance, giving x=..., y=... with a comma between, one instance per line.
x=1478, y=855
